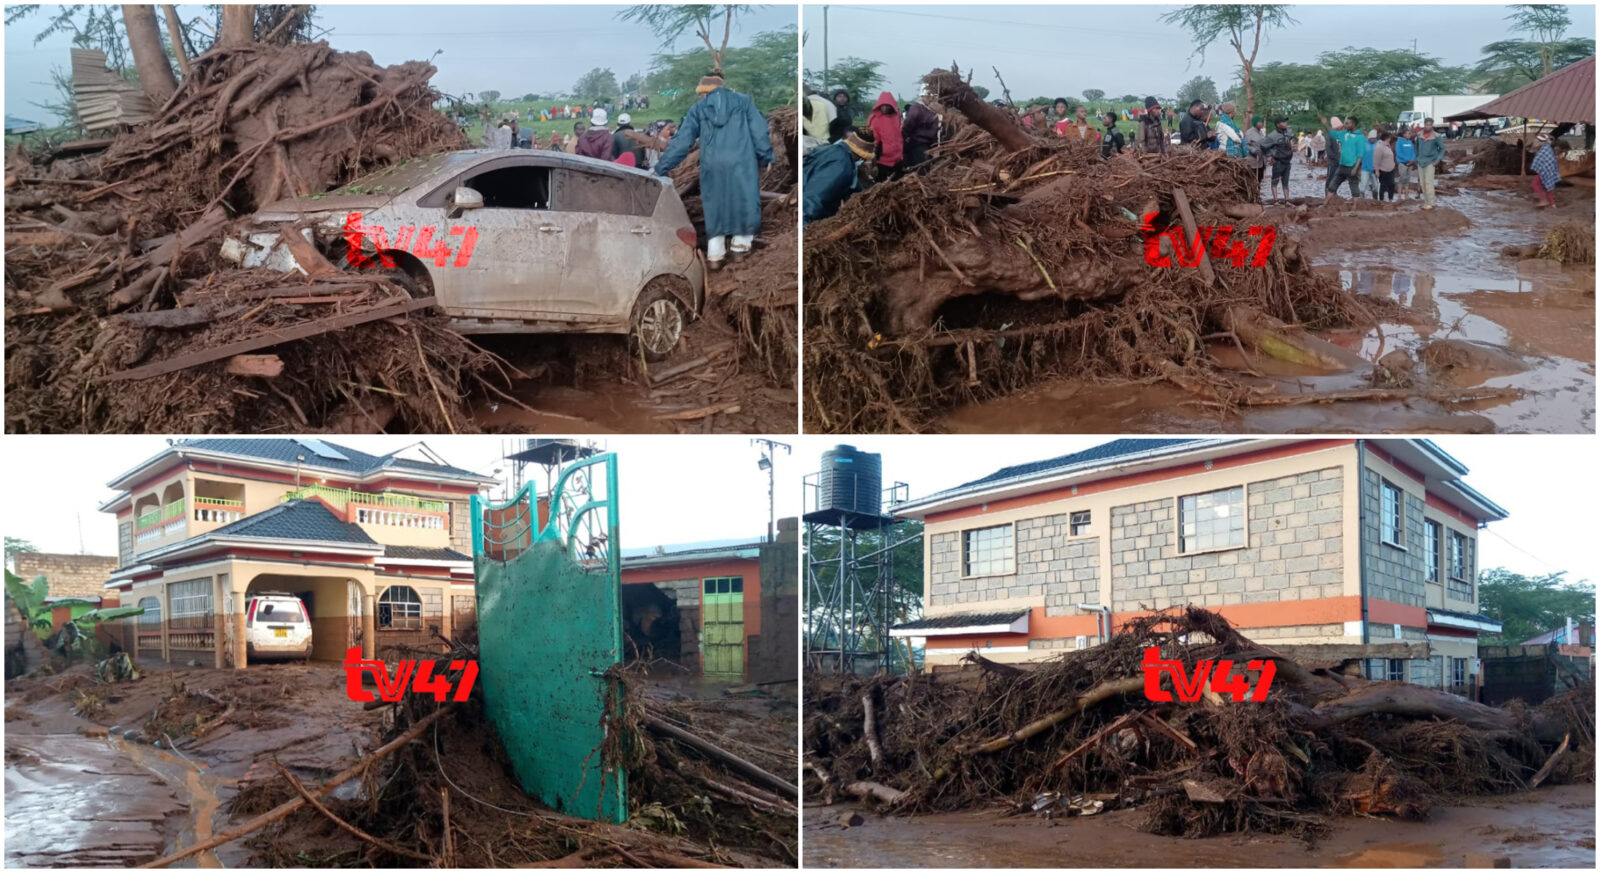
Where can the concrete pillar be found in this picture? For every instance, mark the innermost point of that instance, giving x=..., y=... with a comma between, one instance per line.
x=369, y=626
x=219, y=624
x=239, y=652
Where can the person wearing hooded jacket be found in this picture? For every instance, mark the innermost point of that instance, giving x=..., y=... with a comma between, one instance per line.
x=734, y=145
x=621, y=142
x=885, y=126
x=596, y=142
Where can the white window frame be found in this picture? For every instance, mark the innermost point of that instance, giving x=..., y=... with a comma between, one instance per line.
x=190, y=598
x=1088, y=523
x=1458, y=561
x=401, y=609
x=1398, y=537
x=1458, y=666
x=1390, y=670
x=1243, y=524
x=150, y=619
x=1009, y=551
x=1433, y=542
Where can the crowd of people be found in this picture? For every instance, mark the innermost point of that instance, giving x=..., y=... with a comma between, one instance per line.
x=1386, y=162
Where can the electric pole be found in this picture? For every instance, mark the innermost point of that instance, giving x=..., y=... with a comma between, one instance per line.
x=769, y=448
x=825, y=83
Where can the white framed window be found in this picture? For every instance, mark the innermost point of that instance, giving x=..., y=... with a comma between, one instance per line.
x=400, y=608
x=1392, y=514
x=150, y=619
x=1212, y=520
x=1431, y=532
x=987, y=551
x=1078, y=523
x=189, y=603
x=1458, y=671
x=1396, y=670
x=1458, y=557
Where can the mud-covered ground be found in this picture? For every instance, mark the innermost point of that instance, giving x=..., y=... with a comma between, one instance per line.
x=1548, y=827
x=93, y=790
x=1445, y=267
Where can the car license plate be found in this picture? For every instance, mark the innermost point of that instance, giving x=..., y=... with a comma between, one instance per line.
x=280, y=632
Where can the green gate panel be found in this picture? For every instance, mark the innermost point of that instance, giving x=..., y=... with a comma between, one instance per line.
x=549, y=626
x=722, y=629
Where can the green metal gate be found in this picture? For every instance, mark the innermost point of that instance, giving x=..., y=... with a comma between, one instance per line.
x=549, y=626
x=722, y=628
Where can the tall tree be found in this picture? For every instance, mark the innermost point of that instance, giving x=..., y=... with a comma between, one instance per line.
x=1241, y=23
x=597, y=84
x=1198, y=88
x=149, y=55
x=1508, y=64
x=238, y=24
x=489, y=96
x=858, y=76
x=670, y=21
x=1545, y=22
x=1527, y=606
x=1093, y=95
x=175, y=37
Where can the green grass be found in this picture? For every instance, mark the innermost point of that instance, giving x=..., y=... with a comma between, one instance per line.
x=661, y=107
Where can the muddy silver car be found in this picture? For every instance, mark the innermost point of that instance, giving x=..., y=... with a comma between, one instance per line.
x=509, y=241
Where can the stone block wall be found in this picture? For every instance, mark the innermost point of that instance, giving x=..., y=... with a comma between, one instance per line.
x=1393, y=574
x=69, y=575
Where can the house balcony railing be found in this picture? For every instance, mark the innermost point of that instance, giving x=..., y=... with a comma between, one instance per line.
x=217, y=510
x=159, y=514
x=340, y=498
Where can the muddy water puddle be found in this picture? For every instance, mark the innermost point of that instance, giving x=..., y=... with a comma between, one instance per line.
x=1537, y=315
x=1552, y=827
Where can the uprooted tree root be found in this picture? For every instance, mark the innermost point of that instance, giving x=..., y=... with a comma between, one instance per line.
x=1003, y=264
x=1570, y=242
x=1081, y=726
x=451, y=797
x=136, y=230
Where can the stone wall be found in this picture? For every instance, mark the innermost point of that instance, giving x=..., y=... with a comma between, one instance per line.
x=1393, y=574
x=1048, y=566
x=774, y=654
x=69, y=575
x=1294, y=549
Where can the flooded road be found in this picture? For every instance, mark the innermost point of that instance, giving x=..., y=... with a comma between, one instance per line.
x=1551, y=827
x=1446, y=269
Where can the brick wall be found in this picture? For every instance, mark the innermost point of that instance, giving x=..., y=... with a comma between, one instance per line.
x=1293, y=549
x=1460, y=590
x=774, y=653
x=461, y=526
x=69, y=575
x=1048, y=565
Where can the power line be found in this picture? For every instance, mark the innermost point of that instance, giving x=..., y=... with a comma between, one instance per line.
x=1497, y=535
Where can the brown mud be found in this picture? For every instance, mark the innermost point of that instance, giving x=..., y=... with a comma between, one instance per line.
x=1547, y=827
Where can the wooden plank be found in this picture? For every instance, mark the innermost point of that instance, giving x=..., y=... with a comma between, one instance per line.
x=271, y=338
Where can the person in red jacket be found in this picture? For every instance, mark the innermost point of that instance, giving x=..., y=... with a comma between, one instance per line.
x=885, y=127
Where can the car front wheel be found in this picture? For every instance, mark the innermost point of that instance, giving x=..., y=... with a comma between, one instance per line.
x=658, y=325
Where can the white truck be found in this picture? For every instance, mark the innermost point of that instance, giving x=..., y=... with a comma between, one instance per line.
x=1437, y=106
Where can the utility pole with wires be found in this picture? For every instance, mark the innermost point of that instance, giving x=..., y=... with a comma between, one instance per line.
x=769, y=448
x=825, y=83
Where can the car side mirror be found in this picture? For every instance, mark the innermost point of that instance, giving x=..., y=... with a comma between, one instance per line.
x=464, y=198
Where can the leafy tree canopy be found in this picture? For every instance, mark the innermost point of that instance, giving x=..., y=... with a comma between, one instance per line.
x=1527, y=606
x=858, y=76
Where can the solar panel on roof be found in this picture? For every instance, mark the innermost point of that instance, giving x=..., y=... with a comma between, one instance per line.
x=321, y=449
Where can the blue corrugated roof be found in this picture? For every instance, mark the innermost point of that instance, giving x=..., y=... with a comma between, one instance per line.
x=1103, y=452
x=286, y=450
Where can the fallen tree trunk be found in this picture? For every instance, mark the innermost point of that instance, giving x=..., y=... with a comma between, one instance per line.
x=716, y=753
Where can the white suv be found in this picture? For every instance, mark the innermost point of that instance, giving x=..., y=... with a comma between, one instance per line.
x=276, y=626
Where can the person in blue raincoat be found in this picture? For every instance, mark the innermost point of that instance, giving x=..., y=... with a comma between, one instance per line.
x=829, y=175
x=734, y=146
x=1548, y=173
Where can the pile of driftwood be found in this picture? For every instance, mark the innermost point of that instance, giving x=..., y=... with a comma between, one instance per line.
x=1011, y=258
x=1079, y=734
x=120, y=315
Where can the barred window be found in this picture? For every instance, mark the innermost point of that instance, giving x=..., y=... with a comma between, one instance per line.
x=190, y=603
x=1458, y=671
x=150, y=619
x=400, y=608
x=986, y=551
x=1213, y=520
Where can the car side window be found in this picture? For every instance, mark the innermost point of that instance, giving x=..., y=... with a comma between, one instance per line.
x=582, y=191
x=513, y=187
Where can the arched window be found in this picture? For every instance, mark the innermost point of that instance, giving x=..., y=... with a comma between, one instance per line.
x=150, y=619
x=400, y=608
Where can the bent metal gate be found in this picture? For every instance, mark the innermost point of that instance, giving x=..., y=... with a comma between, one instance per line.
x=549, y=630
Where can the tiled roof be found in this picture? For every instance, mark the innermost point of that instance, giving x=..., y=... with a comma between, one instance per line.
x=963, y=619
x=1103, y=452
x=1565, y=95
x=297, y=520
x=286, y=450
x=418, y=553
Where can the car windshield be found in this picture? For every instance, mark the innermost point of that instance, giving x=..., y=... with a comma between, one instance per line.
x=406, y=175
x=280, y=612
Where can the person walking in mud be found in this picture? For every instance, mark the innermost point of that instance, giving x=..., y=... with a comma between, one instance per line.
x=1279, y=148
x=1405, y=157
x=1430, y=149
x=735, y=144
x=1348, y=143
x=1547, y=173
x=1152, y=136
x=1384, y=165
x=885, y=126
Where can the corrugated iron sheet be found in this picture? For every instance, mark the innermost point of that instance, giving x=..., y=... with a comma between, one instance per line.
x=104, y=99
x=1567, y=95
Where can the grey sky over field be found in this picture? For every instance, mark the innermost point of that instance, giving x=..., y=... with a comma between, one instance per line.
x=1126, y=49
x=511, y=49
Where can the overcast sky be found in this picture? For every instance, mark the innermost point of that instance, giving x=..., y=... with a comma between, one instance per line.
x=672, y=491
x=1125, y=49
x=511, y=49
x=1546, y=484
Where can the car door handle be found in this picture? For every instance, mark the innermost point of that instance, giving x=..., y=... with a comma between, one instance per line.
x=549, y=228
x=642, y=231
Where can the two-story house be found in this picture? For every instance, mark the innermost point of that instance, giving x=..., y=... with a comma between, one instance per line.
x=1350, y=542
x=377, y=547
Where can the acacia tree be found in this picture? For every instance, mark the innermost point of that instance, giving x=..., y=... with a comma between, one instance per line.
x=1198, y=88
x=597, y=84
x=1545, y=23
x=1093, y=95
x=149, y=55
x=1240, y=23
x=670, y=21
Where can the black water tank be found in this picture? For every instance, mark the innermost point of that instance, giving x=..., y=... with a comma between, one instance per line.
x=851, y=481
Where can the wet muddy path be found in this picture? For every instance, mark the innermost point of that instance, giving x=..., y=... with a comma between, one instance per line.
x=1551, y=827
x=1527, y=325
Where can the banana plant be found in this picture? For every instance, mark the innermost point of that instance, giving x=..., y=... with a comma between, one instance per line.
x=77, y=635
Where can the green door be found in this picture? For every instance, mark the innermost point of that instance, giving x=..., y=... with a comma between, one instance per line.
x=722, y=628
x=549, y=627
